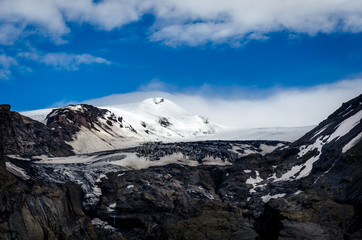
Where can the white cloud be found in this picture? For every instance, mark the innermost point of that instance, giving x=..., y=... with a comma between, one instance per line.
x=6, y=63
x=155, y=85
x=107, y=15
x=45, y=15
x=197, y=22
x=186, y=22
x=9, y=33
x=51, y=17
x=280, y=108
x=70, y=62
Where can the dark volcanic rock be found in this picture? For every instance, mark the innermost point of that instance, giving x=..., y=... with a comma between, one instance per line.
x=67, y=121
x=330, y=205
x=201, y=149
x=171, y=202
x=24, y=136
x=312, y=216
x=164, y=122
x=39, y=210
x=246, y=200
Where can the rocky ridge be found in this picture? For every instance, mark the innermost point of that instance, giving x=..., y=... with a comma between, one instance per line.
x=40, y=210
x=310, y=189
x=22, y=135
x=91, y=129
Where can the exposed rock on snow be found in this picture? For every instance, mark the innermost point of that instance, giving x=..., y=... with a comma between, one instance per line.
x=310, y=189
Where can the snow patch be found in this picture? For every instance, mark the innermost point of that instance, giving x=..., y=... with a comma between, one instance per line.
x=17, y=171
x=87, y=140
x=269, y=148
x=111, y=207
x=351, y=143
x=303, y=170
x=297, y=192
x=346, y=126
x=254, y=181
x=267, y=198
x=319, y=132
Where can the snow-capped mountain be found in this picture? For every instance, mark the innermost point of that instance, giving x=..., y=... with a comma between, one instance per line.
x=161, y=118
x=91, y=129
x=308, y=189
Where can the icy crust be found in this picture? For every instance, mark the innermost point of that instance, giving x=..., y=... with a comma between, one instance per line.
x=245, y=149
x=89, y=170
x=132, y=160
x=289, y=134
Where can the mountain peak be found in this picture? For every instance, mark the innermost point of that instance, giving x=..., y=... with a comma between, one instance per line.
x=158, y=100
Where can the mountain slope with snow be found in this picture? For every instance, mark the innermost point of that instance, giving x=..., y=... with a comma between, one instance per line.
x=309, y=189
x=161, y=119
x=154, y=119
x=90, y=129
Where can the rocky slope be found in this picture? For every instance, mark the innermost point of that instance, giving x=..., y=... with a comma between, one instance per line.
x=310, y=189
x=40, y=210
x=22, y=135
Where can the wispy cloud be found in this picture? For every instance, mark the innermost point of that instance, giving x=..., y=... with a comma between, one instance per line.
x=6, y=63
x=66, y=61
x=279, y=108
x=185, y=22
x=155, y=85
x=9, y=33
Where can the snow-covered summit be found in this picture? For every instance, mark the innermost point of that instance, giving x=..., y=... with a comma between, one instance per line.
x=161, y=119
x=89, y=129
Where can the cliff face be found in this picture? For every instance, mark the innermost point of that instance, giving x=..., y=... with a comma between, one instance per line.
x=24, y=136
x=40, y=210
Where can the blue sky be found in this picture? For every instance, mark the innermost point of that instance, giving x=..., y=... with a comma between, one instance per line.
x=58, y=52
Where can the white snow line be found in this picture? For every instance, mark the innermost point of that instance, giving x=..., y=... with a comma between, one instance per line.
x=17, y=171
x=351, y=143
x=297, y=192
x=267, y=197
x=319, y=132
x=291, y=175
x=346, y=126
